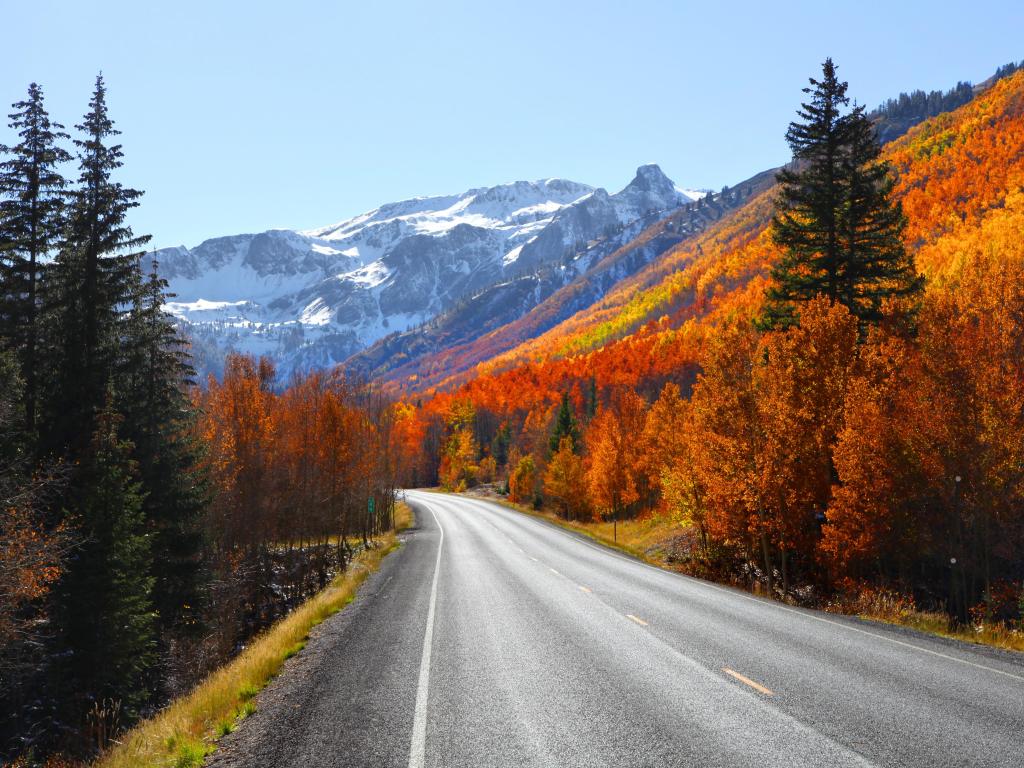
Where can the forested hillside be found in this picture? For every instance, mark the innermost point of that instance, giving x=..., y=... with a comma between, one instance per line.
x=676, y=281
x=838, y=456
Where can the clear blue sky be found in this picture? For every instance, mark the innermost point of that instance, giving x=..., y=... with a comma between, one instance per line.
x=241, y=116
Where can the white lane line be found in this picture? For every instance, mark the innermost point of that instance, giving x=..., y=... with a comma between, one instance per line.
x=639, y=621
x=554, y=571
x=746, y=680
x=417, y=750
x=766, y=603
x=534, y=559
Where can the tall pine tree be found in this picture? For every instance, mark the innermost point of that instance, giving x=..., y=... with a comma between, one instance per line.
x=95, y=280
x=875, y=262
x=106, y=614
x=566, y=426
x=840, y=232
x=32, y=197
x=153, y=395
x=105, y=595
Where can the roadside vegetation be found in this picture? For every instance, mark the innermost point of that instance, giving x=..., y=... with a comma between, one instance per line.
x=151, y=525
x=184, y=733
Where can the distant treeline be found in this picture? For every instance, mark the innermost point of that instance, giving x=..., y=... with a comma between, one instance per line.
x=894, y=117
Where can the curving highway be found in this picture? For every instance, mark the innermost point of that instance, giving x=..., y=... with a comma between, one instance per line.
x=495, y=639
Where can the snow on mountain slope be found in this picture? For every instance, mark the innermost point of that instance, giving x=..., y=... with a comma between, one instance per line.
x=310, y=299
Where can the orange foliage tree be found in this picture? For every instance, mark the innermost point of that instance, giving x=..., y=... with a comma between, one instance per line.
x=299, y=477
x=617, y=476
x=459, y=467
x=565, y=481
x=800, y=387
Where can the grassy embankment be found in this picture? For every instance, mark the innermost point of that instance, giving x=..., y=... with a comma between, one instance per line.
x=186, y=730
x=646, y=539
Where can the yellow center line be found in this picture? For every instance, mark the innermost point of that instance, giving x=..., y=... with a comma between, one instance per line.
x=743, y=679
x=639, y=621
x=583, y=589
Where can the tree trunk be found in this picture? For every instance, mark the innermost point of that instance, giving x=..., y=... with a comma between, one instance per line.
x=767, y=561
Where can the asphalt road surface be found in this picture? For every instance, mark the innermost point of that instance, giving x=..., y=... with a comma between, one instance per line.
x=495, y=639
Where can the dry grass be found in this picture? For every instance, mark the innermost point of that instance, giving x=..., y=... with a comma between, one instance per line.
x=403, y=516
x=634, y=537
x=893, y=608
x=184, y=733
x=996, y=635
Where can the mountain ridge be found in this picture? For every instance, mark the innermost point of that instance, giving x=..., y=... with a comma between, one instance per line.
x=312, y=298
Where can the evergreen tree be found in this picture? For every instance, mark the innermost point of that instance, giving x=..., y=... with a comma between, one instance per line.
x=875, y=264
x=806, y=223
x=95, y=280
x=107, y=615
x=32, y=196
x=566, y=426
x=839, y=231
x=155, y=374
x=500, y=444
x=94, y=289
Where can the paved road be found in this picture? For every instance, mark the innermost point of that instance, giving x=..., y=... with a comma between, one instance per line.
x=494, y=639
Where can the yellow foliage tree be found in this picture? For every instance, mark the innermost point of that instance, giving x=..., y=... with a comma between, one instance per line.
x=523, y=480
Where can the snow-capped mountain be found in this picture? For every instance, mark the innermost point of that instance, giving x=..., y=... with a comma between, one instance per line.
x=312, y=298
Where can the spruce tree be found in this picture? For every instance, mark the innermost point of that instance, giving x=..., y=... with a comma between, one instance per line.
x=153, y=394
x=95, y=279
x=839, y=231
x=806, y=222
x=107, y=619
x=94, y=283
x=875, y=263
x=32, y=196
x=565, y=426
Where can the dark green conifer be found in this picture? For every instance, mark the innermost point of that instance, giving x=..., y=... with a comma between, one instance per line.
x=32, y=196
x=94, y=280
x=838, y=228
x=806, y=223
x=108, y=620
x=105, y=595
x=153, y=396
x=875, y=264
x=500, y=444
x=565, y=426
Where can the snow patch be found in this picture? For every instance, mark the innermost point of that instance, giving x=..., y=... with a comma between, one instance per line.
x=369, y=276
x=511, y=256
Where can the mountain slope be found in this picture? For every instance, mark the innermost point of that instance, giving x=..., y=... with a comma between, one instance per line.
x=476, y=331
x=311, y=299
x=960, y=178
x=705, y=266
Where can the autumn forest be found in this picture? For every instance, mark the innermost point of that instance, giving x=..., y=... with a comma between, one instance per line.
x=838, y=455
